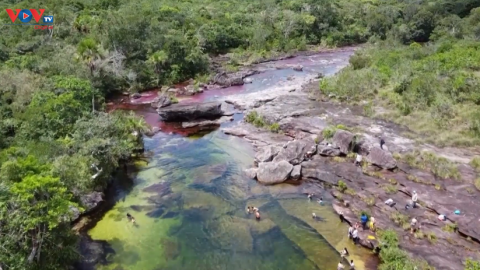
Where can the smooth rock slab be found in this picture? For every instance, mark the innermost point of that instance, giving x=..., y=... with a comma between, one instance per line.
x=274, y=172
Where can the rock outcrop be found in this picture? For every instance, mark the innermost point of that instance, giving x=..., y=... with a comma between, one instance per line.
x=91, y=200
x=343, y=140
x=381, y=158
x=270, y=173
x=267, y=153
x=328, y=150
x=161, y=101
x=294, y=152
x=190, y=112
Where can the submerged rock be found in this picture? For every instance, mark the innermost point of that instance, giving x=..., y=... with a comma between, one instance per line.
x=343, y=140
x=248, y=80
x=207, y=123
x=381, y=158
x=161, y=189
x=190, y=112
x=274, y=172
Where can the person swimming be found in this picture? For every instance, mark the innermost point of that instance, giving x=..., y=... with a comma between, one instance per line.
x=257, y=215
x=248, y=210
x=130, y=218
x=310, y=196
x=320, y=201
x=314, y=216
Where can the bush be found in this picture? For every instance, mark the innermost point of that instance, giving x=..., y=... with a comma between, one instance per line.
x=341, y=186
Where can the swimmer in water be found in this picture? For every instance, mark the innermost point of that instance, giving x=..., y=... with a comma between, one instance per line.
x=130, y=218
x=320, y=201
x=257, y=215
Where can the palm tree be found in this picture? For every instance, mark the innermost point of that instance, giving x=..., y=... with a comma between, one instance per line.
x=88, y=52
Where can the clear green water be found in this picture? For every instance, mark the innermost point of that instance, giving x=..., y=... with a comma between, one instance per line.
x=196, y=218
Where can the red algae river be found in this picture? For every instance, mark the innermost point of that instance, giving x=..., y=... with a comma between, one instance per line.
x=189, y=198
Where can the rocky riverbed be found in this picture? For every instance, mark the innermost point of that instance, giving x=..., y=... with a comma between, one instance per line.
x=442, y=178
x=301, y=145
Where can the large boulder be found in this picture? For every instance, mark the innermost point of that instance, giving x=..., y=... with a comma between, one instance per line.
x=381, y=158
x=267, y=153
x=161, y=101
x=228, y=80
x=294, y=151
x=274, y=172
x=189, y=112
x=343, y=140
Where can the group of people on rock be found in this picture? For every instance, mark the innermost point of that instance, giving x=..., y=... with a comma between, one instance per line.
x=252, y=209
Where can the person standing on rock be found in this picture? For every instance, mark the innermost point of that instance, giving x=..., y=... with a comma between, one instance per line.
x=352, y=265
x=340, y=266
x=382, y=142
x=358, y=160
x=414, y=199
x=413, y=225
x=364, y=220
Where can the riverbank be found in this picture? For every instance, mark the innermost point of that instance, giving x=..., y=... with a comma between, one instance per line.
x=436, y=174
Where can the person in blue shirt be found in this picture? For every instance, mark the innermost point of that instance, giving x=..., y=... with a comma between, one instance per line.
x=364, y=220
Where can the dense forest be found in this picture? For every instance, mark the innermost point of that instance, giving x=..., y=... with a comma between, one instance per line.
x=57, y=143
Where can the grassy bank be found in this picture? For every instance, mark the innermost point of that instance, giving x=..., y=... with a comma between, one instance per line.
x=431, y=88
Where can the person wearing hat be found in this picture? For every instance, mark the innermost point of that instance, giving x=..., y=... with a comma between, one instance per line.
x=414, y=199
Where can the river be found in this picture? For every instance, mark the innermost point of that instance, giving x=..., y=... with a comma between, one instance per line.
x=189, y=200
